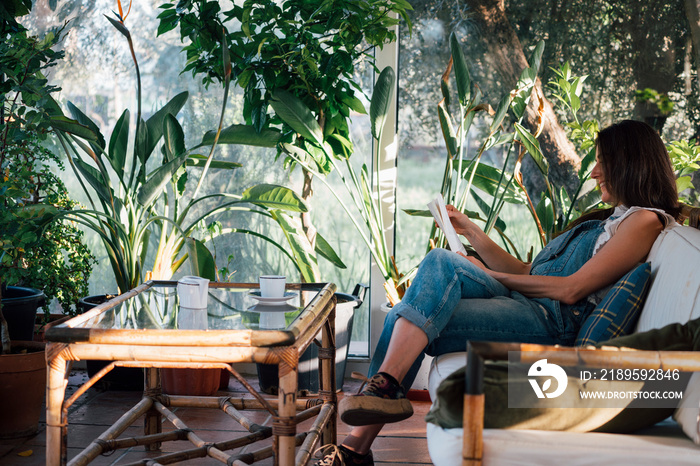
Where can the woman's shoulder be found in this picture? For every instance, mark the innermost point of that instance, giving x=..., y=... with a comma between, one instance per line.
x=648, y=217
x=642, y=219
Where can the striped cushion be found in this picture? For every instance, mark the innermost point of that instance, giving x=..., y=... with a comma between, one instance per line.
x=617, y=313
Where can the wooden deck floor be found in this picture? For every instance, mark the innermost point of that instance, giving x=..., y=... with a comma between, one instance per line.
x=399, y=444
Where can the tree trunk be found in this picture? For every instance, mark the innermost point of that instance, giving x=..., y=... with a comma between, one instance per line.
x=692, y=12
x=654, y=62
x=505, y=54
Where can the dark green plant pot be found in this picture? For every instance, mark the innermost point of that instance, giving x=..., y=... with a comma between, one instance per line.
x=308, y=362
x=19, y=305
x=119, y=378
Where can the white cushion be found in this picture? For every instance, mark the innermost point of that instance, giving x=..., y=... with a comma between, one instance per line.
x=675, y=291
x=662, y=444
x=441, y=367
x=688, y=412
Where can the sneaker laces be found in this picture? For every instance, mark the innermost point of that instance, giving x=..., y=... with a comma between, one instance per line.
x=331, y=452
x=360, y=376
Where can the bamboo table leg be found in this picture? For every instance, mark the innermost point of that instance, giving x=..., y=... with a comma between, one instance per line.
x=285, y=428
x=152, y=423
x=327, y=376
x=56, y=382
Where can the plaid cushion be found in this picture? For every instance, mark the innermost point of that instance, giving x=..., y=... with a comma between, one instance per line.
x=617, y=313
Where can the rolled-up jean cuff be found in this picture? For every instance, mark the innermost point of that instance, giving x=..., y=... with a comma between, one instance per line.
x=418, y=319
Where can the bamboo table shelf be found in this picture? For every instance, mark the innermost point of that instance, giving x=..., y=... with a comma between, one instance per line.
x=139, y=329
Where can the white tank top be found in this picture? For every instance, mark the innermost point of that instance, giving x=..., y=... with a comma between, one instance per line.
x=610, y=228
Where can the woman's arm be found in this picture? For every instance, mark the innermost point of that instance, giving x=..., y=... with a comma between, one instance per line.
x=495, y=257
x=629, y=246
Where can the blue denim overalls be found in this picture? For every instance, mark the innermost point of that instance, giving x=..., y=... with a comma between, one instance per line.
x=453, y=301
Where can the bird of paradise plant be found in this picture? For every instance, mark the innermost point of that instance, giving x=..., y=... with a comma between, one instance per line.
x=154, y=196
x=462, y=173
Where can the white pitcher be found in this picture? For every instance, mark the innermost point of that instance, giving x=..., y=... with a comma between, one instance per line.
x=193, y=293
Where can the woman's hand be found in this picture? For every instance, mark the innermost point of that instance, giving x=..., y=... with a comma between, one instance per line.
x=460, y=221
x=474, y=261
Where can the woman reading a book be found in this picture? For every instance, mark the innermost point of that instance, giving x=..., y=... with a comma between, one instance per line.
x=455, y=298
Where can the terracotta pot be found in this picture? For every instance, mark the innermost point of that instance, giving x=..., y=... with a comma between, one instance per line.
x=193, y=382
x=22, y=389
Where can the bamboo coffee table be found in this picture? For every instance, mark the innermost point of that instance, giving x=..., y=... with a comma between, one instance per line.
x=139, y=329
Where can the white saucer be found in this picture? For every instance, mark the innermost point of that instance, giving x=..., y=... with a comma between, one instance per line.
x=272, y=308
x=272, y=301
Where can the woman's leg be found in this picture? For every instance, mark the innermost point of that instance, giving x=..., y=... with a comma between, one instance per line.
x=494, y=319
x=442, y=281
x=360, y=438
x=441, y=276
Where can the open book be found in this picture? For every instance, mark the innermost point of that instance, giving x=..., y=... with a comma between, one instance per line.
x=437, y=208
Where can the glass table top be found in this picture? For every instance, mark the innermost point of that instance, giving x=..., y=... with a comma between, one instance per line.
x=240, y=308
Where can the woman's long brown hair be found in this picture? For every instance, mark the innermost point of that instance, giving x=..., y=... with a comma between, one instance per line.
x=637, y=169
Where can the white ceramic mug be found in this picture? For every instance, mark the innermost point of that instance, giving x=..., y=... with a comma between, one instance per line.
x=272, y=286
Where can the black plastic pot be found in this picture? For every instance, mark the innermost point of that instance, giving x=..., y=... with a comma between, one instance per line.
x=19, y=305
x=308, y=363
x=119, y=378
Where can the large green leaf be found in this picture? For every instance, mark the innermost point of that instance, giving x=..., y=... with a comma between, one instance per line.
x=448, y=131
x=274, y=196
x=142, y=143
x=487, y=177
x=198, y=160
x=303, y=253
x=173, y=138
x=119, y=144
x=65, y=124
x=154, y=125
x=159, y=178
x=545, y=213
x=683, y=183
x=536, y=57
x=381, y=100
x=297, y=115
x=243, y=134
x=84, y=120
x=589, y=200
x=95, y=179
x=201, y=261
x=486, y=209
x=461, y=71
x=418, y=212
x=326, y=251
x=532, y=145
x=587, y=164
x=501, y=111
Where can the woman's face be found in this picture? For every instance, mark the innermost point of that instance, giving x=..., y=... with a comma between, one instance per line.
x=598, y=175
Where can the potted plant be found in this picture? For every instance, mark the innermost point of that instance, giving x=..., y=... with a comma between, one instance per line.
x=36, y=249
x=299, y=56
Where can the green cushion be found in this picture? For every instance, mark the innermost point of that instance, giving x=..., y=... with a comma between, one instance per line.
x=618, y=312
